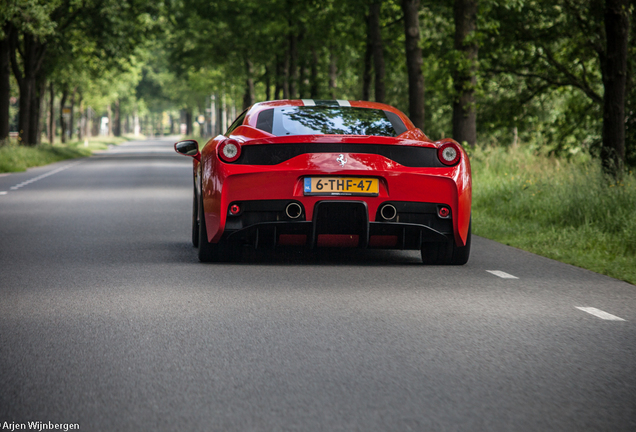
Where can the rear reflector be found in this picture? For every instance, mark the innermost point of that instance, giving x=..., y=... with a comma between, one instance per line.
x=443, y=212
x=292, y=239
x=338, y=240
x=383, y=241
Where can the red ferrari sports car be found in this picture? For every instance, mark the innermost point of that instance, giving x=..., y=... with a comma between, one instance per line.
x=329, y=174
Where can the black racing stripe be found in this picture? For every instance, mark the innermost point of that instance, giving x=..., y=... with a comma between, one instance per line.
x=396, y=121
x=326, y=103
x=273, y=154
x=265, y=120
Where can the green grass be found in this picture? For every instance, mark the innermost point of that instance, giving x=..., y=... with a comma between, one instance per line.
x=15, y=157
x=562, y=209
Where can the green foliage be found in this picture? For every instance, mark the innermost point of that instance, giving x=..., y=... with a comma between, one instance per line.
x=539, y=76
x=563, y=209
x=541, y=73
x=31, y=16
x=18, y=158
x=15, y=157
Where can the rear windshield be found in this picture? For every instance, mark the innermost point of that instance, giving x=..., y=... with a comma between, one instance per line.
x=320, y=120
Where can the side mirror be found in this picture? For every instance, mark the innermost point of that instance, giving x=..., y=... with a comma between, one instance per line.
x=188, y=148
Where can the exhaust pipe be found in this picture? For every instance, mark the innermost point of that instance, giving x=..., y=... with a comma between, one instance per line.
x=293, y=210
x=388, y=212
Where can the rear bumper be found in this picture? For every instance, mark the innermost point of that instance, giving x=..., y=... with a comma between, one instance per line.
x=337, y=223
x=226, y=184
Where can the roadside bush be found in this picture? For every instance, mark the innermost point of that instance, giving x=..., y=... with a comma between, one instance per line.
x=565, y=209
x=14, y=157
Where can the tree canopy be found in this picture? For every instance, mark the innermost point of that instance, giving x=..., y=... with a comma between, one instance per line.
x=558, y=75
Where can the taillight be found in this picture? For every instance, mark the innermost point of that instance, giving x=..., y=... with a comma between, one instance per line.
x=449, y=154
x=230, y=150
x=235, y=209
x=443, y=212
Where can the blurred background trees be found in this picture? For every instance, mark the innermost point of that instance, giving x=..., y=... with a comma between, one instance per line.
x=557, y=75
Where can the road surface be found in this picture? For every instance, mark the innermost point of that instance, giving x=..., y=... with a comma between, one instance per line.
x=108, y=321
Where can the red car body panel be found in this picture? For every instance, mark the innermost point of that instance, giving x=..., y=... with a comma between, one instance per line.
x=223, y=183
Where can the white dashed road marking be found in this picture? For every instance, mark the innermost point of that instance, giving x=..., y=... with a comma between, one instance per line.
x=40, y=177
x=501, y=274
x=600, y=314
x=3, y=192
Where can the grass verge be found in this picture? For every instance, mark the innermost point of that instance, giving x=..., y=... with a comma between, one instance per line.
x=15, y=157
x=562, y=209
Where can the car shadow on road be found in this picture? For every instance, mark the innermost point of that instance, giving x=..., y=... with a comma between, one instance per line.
x=290, y=256
x=179, y=252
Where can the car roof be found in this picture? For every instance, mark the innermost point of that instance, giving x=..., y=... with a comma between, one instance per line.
x=253, y=111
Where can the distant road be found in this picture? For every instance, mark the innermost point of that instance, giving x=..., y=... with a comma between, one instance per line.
x=107, y=320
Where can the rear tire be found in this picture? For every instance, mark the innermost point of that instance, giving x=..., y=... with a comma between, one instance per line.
x=447, y=253
x=208, y=252
x=434, y=253
x=195, y=220
x=213, y=252
x=462, y=253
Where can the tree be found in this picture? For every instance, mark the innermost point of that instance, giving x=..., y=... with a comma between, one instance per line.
x=414, y=61
x=375, y=37
x=573, y=46
x=464, y=73
x=43, y=33
x=5, y=85
x=26, y=25
x=614, y=69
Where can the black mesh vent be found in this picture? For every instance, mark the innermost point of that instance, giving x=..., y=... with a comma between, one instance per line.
x=273, y=154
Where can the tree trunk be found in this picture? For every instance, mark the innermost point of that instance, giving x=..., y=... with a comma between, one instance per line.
x=36, y=109
x=368, y=67
x=30, y=95
x=71, y=120
x=378, y=51
x=219, y=115
x=278, y=89
x=614, y=71
x=268, y=83
x=137, y=124
x=313, y=89
x=464, y=74
x=293, y=67
x=95, y=123
x=82, y=117
x=188, y=118
x=248, y=97
x=27, y=88
x=333, y=73
x=51, y=130
x=62, y=120
x=286, y=77
x=117, y=119
x=414, y=61
x=303, y=82
x=109, y=113
x=5, y=84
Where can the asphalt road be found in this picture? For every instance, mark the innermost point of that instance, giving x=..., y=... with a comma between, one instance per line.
x=107, y=320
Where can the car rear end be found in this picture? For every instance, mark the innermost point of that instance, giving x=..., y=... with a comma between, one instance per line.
x=348, y=193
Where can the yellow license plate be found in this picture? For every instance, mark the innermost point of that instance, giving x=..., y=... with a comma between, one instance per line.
x=341, y=186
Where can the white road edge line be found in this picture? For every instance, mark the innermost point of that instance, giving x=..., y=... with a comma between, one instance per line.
x=599, y=313
x=40, y=177
x=501, y=274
